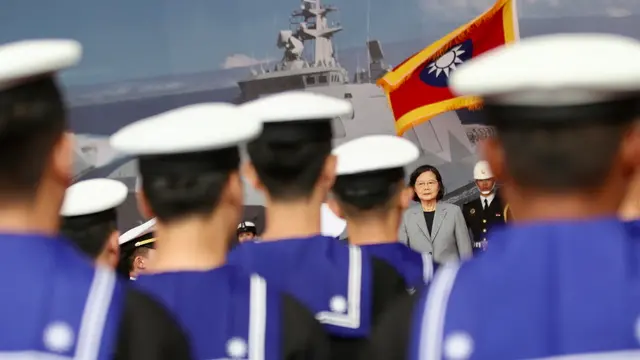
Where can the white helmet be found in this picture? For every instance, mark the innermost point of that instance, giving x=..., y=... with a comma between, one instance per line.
x=482, y=171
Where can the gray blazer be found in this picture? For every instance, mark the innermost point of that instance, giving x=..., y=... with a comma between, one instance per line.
x=449, y=238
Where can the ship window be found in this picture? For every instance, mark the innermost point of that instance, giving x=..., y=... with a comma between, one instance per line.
x=311, y=80
x=322, y=79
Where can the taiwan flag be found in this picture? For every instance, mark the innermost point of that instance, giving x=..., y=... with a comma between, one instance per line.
x=418, y=88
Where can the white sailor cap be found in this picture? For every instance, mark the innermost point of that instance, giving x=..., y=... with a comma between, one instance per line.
x=92, y=197
x=189, y=129
x=293, y=106
x=373, y=153
x=246, y=224
x=553, y=70
x=23, y=60
x=137, y=232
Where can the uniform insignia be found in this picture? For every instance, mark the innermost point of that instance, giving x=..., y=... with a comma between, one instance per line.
x=237, y=348
x=458, y=345
x=472, y=211
x=59, y=337
x=338, y=304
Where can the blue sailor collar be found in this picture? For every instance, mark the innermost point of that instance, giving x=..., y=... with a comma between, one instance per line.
x=331, y=278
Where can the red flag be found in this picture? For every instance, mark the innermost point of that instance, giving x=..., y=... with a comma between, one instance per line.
x=418, y=88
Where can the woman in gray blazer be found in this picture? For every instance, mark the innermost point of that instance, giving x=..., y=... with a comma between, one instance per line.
x=433, y=226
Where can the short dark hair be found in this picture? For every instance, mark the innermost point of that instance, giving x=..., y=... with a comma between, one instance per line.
x=289, y=169
x=87, y=235
x=182, y=185
x=32, y=120
x=423, y=169
x=139, y=251
x=561, y=158
x=368, y=192
x=129, y=251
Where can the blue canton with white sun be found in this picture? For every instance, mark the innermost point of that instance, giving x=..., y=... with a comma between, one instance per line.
x=436, y=73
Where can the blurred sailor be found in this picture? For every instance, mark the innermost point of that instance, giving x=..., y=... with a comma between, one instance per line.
x=487, y=210
x=136, y=249
x=56, y=303
x=189, y=162
x=370, y=194
x=291, y=162
x=246, y=231
x=90, y=219
x=563, y=281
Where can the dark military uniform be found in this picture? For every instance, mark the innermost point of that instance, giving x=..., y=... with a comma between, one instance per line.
x=480, y=220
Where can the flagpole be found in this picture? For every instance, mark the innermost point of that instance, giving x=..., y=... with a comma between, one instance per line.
x=516, y=24
x=368, y=38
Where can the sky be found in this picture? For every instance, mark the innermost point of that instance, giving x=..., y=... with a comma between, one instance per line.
x=131, y=39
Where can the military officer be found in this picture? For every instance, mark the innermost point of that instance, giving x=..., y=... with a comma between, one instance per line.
x=189, y=162
x=246, y=231
x=562, y=281
x=486, y=211
x=136, y=249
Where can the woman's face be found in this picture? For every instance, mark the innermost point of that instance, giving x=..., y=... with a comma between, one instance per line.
x=427, y=186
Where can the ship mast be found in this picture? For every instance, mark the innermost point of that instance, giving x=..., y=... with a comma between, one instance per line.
x=316, y=27
x=368, y=38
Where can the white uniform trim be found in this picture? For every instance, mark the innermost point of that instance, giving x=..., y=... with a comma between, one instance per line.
x=351, y=319
x=427, y=267
x=609, y=355
x=257, y=318
x=95, y=314
x=435, y=311
x=32, y=355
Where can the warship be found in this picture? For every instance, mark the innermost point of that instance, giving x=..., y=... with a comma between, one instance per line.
x=309, y=63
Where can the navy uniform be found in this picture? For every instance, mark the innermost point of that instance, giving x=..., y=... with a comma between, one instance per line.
x=370, y=170
x=342, y=285
x=140, y=237
x=536, y=293
x=485, y=212
x=57, y=304
x=226, y=312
